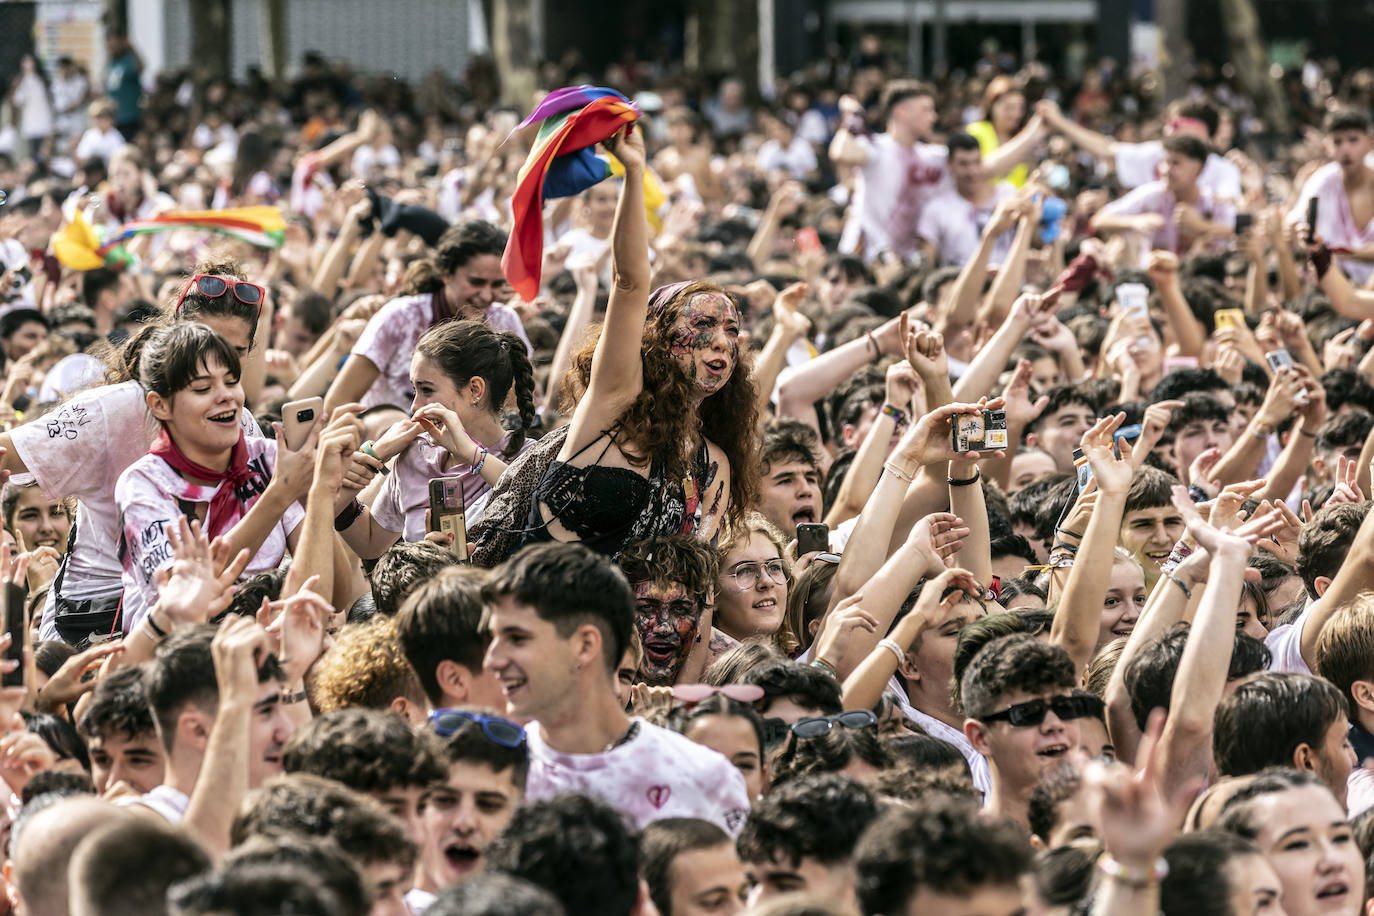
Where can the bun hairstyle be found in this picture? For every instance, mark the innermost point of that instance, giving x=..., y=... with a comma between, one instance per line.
x=468, y=349
x=176, y=354
x=459, y=244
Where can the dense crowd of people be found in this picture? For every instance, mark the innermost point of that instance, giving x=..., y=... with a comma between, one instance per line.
x=899, y=498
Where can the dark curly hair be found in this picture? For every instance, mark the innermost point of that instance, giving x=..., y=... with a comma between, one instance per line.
x=941, y=844
x=662, y=418
x=817, y=817
x=365, y=749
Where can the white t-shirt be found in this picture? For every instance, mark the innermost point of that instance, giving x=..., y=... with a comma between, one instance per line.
x=954, y=225
x=80, y=449
x=656, y=774
x=417, y=901
x=798, y=160
x=1335, y=222
x=149, y=494
x=891, y=189
x=1285, y=645
x=977, y=763
x=1139, y=163
x=99, y=145
x=390, y=337
x=166, y=801
x=1155, y=197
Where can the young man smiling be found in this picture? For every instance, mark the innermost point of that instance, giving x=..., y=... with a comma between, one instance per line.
x=560, y=619
x=1017, y=694
x=672, y=579
x=1150, y=525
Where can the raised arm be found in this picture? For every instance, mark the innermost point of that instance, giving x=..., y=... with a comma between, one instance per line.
x=617, y=375
x=1185, y=748
x=788, y=326
x=847, y=148
x=1016, y=150
x=1100, y=146
x=987, y=365
x=1077, y=621
x=579, y=317
x=1163, y=270
x=867, y=466
x=967, y=289
x=1007, y=284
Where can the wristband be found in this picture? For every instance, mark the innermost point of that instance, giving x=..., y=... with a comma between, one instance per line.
x=1187, y=592
x=1072, y=534
x=368, y=448
x=955, y=482
x=896, y=413
x=825, y=666
x=480, y=459
x=1303, y=432
x=890, y=645
x=152, y=625
x=873, y=342
x=345, y=519
x=300, y=696
x=1133, y=875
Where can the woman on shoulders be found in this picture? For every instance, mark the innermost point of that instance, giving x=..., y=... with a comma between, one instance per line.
x=462, y=372
x=202, y=465
x=462, y=280
x=664, y=435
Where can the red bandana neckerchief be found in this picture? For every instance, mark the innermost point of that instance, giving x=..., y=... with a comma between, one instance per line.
x=225, y=509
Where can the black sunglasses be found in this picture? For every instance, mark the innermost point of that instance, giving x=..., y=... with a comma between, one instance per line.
x=815, y=728
x=774, y=732
x=1033, y=712
x=497, y=730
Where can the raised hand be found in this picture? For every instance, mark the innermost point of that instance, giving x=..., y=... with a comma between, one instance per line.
x=1134, y=820
x=628, y=146
x=1347, y=490
x=1152, y=429
x=901, y=385
x=1229, y=364
x=197, y=585
x=924, y=350
x=1162, y=268
x=70, y=681
x=298, y=624
x=937, y=538
x=1200, y=471
x=1341, y=352
x=1113, y=474
x=832, y=643
x=446, y=429
x=1021, y=410
x=931, y=438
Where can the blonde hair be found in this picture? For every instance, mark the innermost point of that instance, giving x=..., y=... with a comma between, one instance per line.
x=740, y=535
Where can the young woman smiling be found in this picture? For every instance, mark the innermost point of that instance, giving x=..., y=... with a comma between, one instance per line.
x=463, y=372
x=80, y=449
x=664, y=428
x=751, y=596
x=202, y=465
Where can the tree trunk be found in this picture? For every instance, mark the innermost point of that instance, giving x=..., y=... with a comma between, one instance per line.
x=1173, y=35
x=210, y=38
x=273, y=29
x=512, y=45
x=1251, y=62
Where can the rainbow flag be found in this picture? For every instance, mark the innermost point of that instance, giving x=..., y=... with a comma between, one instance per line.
x=80, y=247
x=561, y=163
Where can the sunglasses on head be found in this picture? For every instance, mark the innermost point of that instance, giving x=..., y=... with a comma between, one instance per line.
x=692, y=694
x=212, y=286
x=497, y=730
x=824, y=725
x=1033, y=712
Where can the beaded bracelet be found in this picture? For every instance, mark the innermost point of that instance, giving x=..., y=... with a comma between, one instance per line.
x=897, y=472
x=825, y=666
x=481, y=459
x=1133, y=875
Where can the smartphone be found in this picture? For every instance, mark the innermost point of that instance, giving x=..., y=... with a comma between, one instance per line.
x=15, y=598
x=1311, y=220
x=1133, y=298
x=1229, y=318
x=1081, y=469
x=296, y=419
x=1244, y=221
x=446, y=512
x=979, y=432
x=812, y=537
x=1279, y=359
x=807, y=240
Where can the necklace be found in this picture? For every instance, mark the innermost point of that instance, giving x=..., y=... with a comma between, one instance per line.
x=623, y=739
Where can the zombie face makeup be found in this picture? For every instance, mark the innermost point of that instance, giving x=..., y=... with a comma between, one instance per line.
x=666, y=617
x=704, y=341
